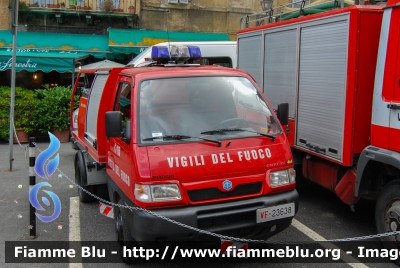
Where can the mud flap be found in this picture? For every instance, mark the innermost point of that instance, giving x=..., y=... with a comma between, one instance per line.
x=346, y=188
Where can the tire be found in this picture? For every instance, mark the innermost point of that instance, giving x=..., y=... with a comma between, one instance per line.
x=80, y=177
x=123, y=234
x=387, y=214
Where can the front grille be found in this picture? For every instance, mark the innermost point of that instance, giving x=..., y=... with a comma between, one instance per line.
x=225, y=220
x=215, y=193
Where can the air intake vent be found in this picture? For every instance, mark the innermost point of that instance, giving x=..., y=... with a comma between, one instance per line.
x=214, y=193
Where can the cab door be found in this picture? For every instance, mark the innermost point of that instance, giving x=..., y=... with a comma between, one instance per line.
x=394, y=96
x=120, y=153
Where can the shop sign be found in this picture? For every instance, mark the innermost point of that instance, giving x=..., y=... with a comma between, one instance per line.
x=28, y=64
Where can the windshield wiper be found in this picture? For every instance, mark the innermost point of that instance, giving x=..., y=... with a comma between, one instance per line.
x=181, y=137
x=222, y=130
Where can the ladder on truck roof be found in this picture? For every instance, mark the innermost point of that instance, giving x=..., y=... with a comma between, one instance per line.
x=284, y=12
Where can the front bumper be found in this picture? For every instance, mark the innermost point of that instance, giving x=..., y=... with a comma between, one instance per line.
x=235, y=218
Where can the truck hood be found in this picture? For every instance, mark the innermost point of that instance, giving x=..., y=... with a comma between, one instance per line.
x=203, y=161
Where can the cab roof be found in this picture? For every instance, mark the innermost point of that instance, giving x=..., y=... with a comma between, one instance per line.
x=162, y=71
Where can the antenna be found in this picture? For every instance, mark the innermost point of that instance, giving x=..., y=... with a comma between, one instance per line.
x=169, y=45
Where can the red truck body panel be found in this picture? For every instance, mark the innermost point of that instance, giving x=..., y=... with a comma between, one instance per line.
x=363, y=40
x=385, y=126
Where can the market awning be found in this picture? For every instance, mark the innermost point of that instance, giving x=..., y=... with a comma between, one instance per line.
x=36, y=59
x=135, y=40
x=96, y=45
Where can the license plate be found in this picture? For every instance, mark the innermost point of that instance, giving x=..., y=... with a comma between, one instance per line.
x=275, y=212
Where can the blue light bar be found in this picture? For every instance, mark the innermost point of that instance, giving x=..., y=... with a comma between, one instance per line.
x=195, y=53
x=160, y=54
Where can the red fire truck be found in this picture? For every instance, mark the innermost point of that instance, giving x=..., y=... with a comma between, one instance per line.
x=197, y=144
x=340, y=74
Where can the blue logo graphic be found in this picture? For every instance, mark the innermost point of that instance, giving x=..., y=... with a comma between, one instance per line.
x=51, y=166
x=45, y=155
x=35, y=203
x=227, y=185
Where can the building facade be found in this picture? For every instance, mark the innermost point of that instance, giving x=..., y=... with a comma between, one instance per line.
x=95, y=16
x=79, y=32
x=197, y=15
x=4, y=15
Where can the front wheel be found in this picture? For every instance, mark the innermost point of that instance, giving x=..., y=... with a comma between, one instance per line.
x=387, y=214
x=124, y=236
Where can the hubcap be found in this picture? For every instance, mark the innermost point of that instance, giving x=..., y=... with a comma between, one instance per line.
x=392, y=220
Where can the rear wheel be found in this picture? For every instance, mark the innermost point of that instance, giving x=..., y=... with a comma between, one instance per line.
x=123, y=234
x=80, y=178
x=387, y=214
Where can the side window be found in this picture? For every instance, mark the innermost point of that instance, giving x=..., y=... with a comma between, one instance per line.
x=123, y=103
x=86, y=84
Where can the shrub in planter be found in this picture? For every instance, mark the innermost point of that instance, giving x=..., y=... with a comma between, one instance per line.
x=4, y=112
x=35, y=4
x=25, y=105
x=107, y=6
x=54, y=107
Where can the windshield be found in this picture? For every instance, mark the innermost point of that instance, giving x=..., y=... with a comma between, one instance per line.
x=190, y=108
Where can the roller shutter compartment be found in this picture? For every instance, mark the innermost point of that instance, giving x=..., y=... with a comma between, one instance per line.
x=322, y=88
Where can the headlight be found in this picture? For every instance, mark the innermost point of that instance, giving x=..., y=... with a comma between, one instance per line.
x=159, y=192
x=282, y=177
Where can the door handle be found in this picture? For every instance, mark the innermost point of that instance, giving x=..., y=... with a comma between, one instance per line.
x=316, y=148
x=393, y=106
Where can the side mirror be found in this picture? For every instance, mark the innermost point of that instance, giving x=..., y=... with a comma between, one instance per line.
x=114, y=124
x=283, y=113
x=127, y=134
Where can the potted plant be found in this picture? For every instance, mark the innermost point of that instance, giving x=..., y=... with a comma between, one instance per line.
x=53, y=5
x=35, y=4
x=72, y=4
x=131, y=9
x=22, y=5
x=107, y=6
x=4, y=112
x=53, y=111
x=25, y=103
x=62, y=4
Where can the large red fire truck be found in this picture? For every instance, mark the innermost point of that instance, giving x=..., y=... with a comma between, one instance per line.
x=197, y=144
x=339, y=71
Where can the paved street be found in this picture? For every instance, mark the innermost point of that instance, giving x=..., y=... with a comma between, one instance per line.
x=321, y=214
